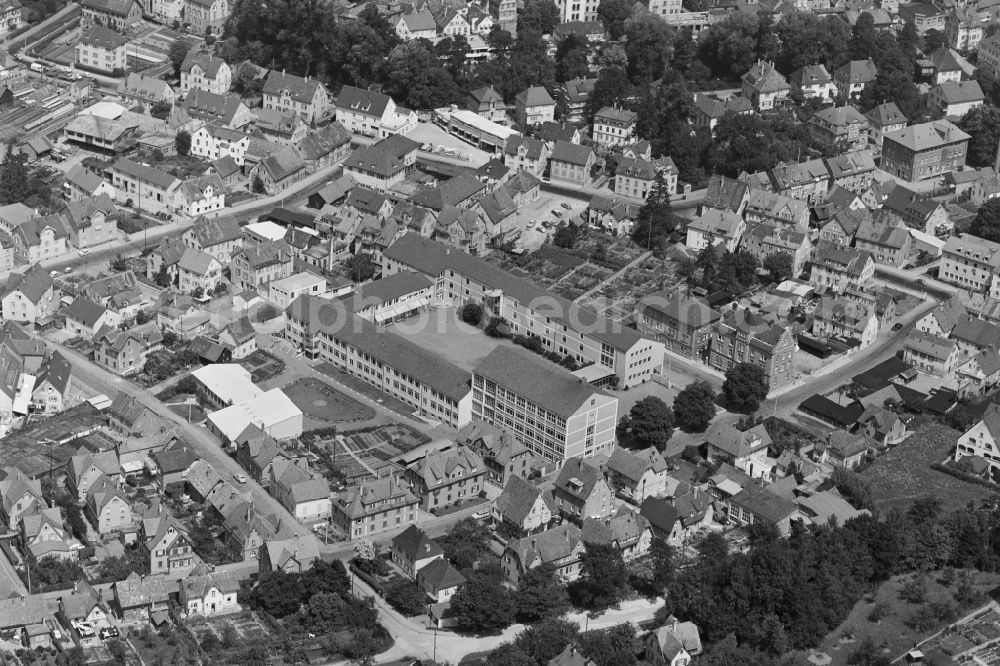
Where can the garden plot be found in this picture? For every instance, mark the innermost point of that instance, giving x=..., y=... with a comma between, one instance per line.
x=618, y=299
x=582, y=280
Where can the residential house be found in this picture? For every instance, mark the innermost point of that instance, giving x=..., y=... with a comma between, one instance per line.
x=673, y=644
x=91, y=221
x=304, y=495
x=580, y=491
x=107, y=508
x=147, y=188
x=101, y=49
x=279, y=170
x=446, y=478
x=85, y=468
x=171, y=466
x=715, y=227
x=43, y=535
x=841, y=269
x=125, y=352
x=834, y=318
x=743, y=337
x=744, y=450
x=440, y=580
x=924, y=16
x=383, y=164
x=81, y=183
x=756, y=505
x=886, y=118
x=573, y=96
x=709, y=109
x=636, y=476
x=886, y=238
x=614, y=126
x=167, y=546
x=206, y=17
x=974, y=335
x=256, y=266
x=842, y=126
x=28, y=296
x=969, y=262
x=989, y=55
x=488, y=103
x=627, y=532
x=522, y=508
x=843, y=449
x=117, y=14
x=19, y=495
x=571, y=163
x=636, y=177
x=372, y=114
x=684, y=324
x=411, y=550
x=852, y=77
x=806, y=181
x=206, y=72
x=927, y=150
x=854, y=172
x=292, y=555
x=931, y=354
x=416, y=25
x=979, y=373
x=963, y=29
x=560, y=548
x=534, y=106
x=198, y=272
x=764, y=86
x=371, y=507
x=140, y=599
x=982, y=439
x=214, y=141
x=240, y=336
x=51, y=392
x=884, y=427
x=526, y=153
x=146, y=90
x=82, y=604
x=775, y=209
x=765, y=240
x=919, y=212
x=502, y=453
x=954, y=99
x=306, y=96
x=813, y=82
x=324, y=147
x=226, y=109
x=216, y=236
x=209, y=593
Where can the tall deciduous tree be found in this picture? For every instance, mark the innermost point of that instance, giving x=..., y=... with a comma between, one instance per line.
x=540, y=595
x=779, y=265
x=983, y=125
x=649, y=423
x=13, y=178
x=484, y=604
x=655, y=221
x=987, y=222
x=745, y=387
x=694, y=406
x=571, y=57
x=603, y=577
x=182, y=142
x=614, y=13
x=177, y=53
x=647, y=44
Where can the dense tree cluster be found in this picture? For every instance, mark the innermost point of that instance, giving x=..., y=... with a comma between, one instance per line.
x=694, y=406
x=813, y=578
x=650, y=422
x=745, y=387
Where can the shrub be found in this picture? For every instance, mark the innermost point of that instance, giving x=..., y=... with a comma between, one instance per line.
x=472, y=314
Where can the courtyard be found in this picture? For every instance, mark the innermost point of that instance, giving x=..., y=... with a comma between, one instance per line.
x=320, y=401
x=440, y=330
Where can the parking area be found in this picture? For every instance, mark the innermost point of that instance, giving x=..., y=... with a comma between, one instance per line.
x=549, y=209
x=437, y=136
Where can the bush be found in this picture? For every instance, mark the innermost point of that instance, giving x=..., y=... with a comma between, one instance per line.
x=267, y=313
x=498, y=328
x=472, y=314
x=406, y=597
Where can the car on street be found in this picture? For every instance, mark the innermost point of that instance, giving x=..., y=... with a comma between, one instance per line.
x=921, y=281
x=481, y=514
x=240, y=478
x=84, y=252
x=898, y=325
x=108, y=632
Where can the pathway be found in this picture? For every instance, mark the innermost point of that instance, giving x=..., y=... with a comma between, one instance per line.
x=614, y=276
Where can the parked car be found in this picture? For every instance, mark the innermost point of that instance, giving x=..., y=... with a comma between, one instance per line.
x=108, y=632
x=566, y=206
x=240, y=478
x=898, y=325
x=481, y=514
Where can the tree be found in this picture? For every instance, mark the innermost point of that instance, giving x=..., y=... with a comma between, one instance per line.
x=545, y=640
x=183, y=143
x=566, y=235
x=13, y=178
x=472, y=314
x=407, y=597
x=612, y=86
x=538, y=15
x=983, y=125
x=162, y=277
x=655, y=221
x=933, y=40
x=484, y=604
x=614, y=13
x=571, y=58
x=603, y=577
x=892, y=85
x=360, y=267
x=662, y=555
x=540, y=595
x=160, y=110
x=649, y=423
x=210, y=643
x=648, y=42
x=745, y=387
x=694, y=406
x=177, y=53
x=614, y=646
x=986, y=224
x=465, y=543
x=779, y=265
x=119, y=263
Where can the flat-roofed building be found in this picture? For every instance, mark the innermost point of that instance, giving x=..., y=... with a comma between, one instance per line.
x=549, y=410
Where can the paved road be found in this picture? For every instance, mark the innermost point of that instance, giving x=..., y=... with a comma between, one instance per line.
x=203, y=442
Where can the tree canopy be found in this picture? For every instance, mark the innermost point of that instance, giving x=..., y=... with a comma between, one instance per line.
x=650, y=422
x=987, y=221
x=694, y=406
x=745, y=387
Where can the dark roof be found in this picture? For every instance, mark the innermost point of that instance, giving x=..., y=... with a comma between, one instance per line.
x=660, y=512
x=539, y=381
x=383, y=158
x=300, y=89
x=839, y=414
x=415, y=544
x=763, y=503
x=453, y=192
x=517, y=499
x=85, y=311
x=578, y=478
x=174, y=460
x=571, y=153
x=440, y=575
x=725, y=193
x=101, y=37
x=323, y=141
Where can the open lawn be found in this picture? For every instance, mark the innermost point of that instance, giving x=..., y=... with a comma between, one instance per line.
x=321, y=401
x=904, y=474
x=441, y=331
x=892, y=631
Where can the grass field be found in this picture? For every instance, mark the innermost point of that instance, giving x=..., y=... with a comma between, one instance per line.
x=892, y=631
x=440, y=331
x=321, y=401
x=903, y=474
